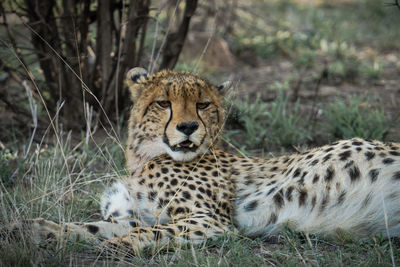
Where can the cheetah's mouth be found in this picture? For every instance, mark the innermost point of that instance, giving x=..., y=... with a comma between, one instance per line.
x=185, y=146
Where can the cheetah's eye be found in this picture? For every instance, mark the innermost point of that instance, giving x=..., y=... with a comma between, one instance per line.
x=164, y=104
x=203, y=105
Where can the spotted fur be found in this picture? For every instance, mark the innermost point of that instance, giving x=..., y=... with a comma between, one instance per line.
x=182, y=188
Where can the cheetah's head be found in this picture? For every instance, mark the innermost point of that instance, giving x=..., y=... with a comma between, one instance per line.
x=173, y=112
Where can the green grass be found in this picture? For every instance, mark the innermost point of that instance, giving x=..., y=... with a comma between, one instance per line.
x=357, y=117
x=309, y=35
x=65, y=184
x=261, y=124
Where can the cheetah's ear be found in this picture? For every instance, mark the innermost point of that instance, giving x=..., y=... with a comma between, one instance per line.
x=134, y=78
x=224, y=87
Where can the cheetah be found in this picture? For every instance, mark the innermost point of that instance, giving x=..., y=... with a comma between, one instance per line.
x=182, y=188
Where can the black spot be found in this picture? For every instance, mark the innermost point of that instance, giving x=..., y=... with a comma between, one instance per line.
x=157, y=234
x=349, y=164
x=270, y=191
x=328, y=149
x=273, y=218
x=324, y=203
x=327, y=157
x=308, y=157
x=388, y=161
x=301, y=180
x=174, y=181
x=170, y=230
x=314, y=162
x=162, y=202
x=139, y=196
x=192, y=187
x=192, y=222
x=396, y=175
x=215, y=173
x=115, y=214
x=151, y=166
x=313, y=202
x=373, y=174
x=169, y=211
x=302, y=197
x=354, y=173
x=278, y=199
x=179, y=210
x=296, y=172
x=315, y=179
x=345, y=155
x=198, y=233
x=152, y=195
x=186, y=195
x=341, y=197
x=251, y=206
x=288, y=193
x=130, y=212
x=208, y=192
x=394, y=153
x=53, y=236
x=93, y=229
x=158, y=174
x=274, y=169
x=330, y=172
x=160, y=184
x=356, y=143
x=133, y=224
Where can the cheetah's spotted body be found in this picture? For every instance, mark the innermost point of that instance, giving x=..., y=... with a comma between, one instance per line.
x=182, y=188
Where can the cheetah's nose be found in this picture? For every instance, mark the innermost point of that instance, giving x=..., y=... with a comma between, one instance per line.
x=187, y=127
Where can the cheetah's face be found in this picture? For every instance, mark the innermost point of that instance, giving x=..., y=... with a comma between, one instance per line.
x=176, y=113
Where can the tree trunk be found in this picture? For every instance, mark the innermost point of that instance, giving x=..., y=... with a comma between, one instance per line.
x=175, y=40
